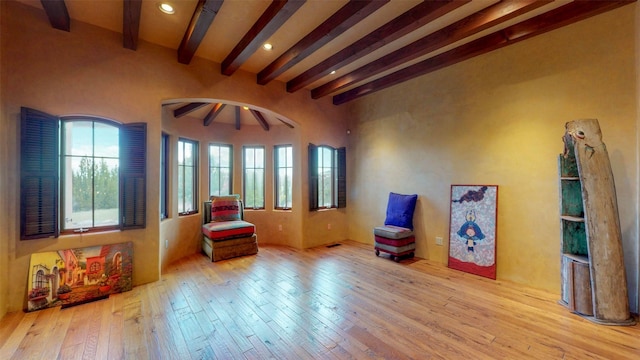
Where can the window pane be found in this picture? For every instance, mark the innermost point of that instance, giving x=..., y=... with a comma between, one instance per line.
x=289, y=156
x=327, y=176
x=188, y=154
x=180, y=189
x=225, y=181
x=283, y=176
x=78, y=187
x=225, y=156
x=107, y=140
x=219, y=169
x=259, y=158
x=259, y=189
x=249, y=158
x=79, y=138
x=250, y=181
x=188, y=189
x=106, y=192
x=254, y=177
x=187, y=176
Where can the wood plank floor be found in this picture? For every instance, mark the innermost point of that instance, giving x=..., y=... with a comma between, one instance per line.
x=338, y=302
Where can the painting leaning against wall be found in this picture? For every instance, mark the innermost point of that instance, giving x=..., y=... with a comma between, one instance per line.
x=75, y=276
x=472, y=229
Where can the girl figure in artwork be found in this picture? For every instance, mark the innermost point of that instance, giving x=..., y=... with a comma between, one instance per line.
x=470, y=231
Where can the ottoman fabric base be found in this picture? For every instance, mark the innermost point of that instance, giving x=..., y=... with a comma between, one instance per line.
x=227, y=249
x=396, y=250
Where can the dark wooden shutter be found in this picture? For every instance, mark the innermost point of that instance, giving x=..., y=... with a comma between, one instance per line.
x=313, y=177
x=39, y=157
x=342, y=177
x=133, y=176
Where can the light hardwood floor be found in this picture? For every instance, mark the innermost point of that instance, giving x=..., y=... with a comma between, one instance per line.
x=340, y=302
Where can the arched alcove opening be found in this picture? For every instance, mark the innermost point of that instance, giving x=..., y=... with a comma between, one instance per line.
x=209, y=123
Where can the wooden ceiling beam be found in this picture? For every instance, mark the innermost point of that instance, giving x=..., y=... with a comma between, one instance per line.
x=202, y=17
x=184, y=110
x=472, y=24
x=413, y=19
x=562, y=16
x=260, y=118
x=213, y=113
x=286, y=123
x=271, y=20
x=342, y=20
x=238, y=122
x=131, y=23
x=57, y=13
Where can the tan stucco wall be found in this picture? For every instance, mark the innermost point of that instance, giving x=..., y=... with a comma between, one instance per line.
x=87, y=71
x=498, y=119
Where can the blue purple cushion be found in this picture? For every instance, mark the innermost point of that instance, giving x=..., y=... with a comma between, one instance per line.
x=400, y=210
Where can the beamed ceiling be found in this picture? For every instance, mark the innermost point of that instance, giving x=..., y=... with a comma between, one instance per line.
x=371, y=45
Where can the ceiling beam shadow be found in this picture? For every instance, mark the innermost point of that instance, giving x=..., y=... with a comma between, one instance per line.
x=184, y=110
x=271, y=20
x=202, y=17
x=260, y=118
x=559, y=17
x=342, y=20
x=57, y=13
x=131, y=23
x=472, y=24
x=413, y=19
x=213, y=113
x=238, y=122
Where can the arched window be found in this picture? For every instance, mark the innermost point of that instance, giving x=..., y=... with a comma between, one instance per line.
x=79, y=173
x=90, y=164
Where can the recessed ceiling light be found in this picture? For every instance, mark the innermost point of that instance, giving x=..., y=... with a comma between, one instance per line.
x=332, y=72
x=245, y=107
x=267, y=46
x=166, y=8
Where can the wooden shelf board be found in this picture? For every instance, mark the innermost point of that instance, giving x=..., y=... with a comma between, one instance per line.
x=575, y=257
x=572, y=218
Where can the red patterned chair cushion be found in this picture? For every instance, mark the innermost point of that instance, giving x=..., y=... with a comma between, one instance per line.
x=224, y=230
x=226, y=208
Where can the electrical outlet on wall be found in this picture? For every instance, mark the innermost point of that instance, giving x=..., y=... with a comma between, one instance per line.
x=438, y=240
x=166, y=243
x=280, y=227
x=328, y=226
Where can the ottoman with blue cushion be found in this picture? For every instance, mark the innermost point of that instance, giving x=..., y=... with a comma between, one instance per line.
x=396, y=236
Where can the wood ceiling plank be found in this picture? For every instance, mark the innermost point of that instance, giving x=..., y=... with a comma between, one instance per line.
x=238, y=122
x=213, y=113
x=202, y=17
x=286, y=123
x=472, y=24
x=271, y=20
x=57, y=13
x=342, y=20
x=412, y=19
x=260, y=118
x=131, y=23
x=562, y=16
x=184, y=110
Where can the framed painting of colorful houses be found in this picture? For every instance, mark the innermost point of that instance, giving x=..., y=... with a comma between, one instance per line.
x=76, y=276
x=472, y=229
